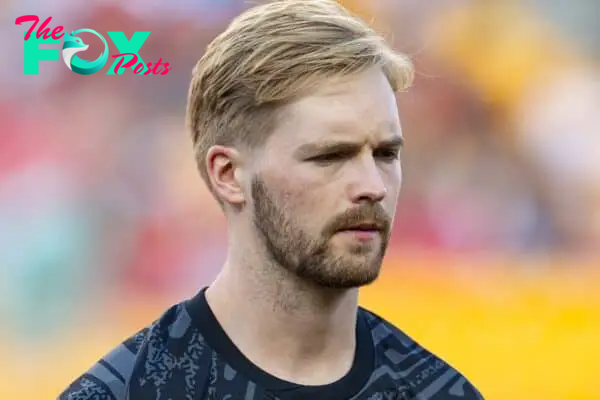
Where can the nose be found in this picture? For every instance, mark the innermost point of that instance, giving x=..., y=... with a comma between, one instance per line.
x=367, y=183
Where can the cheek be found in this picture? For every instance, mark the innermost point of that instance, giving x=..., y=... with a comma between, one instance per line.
x=297, y=201
x=393, y=185
x=296, y=185
x=394, y=179
x=303, y=201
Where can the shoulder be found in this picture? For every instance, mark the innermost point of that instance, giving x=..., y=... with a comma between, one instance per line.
x=409, y=364
x=108, y=377
x=111, y=377
x=387, y=336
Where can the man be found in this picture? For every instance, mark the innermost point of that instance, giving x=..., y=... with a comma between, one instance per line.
x=295, y=126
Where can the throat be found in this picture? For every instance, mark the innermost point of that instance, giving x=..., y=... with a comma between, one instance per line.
x=294, y=337
x=309, y=367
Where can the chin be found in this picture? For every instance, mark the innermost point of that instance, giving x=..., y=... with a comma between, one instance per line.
x=346, y=282
x=351, y=275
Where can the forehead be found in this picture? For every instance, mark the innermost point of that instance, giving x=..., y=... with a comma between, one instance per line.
x=358, y=107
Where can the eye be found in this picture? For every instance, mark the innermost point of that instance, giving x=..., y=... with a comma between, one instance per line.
x=328, y=158
x=388, y=155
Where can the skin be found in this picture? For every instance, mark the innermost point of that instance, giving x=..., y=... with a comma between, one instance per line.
x=287, y=295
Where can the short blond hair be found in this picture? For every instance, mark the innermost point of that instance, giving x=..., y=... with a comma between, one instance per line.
x=272, y=54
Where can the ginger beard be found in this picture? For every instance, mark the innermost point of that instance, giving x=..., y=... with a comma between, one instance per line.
x=316, y=259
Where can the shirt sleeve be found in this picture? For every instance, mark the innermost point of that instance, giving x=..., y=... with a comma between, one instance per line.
x=108, y=378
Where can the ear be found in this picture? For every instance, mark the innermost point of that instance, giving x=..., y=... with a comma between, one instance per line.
x=225, y=172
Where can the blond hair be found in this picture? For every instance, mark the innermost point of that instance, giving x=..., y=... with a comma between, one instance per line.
x=272, y=54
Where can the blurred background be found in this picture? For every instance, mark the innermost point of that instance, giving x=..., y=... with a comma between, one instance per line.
x=495, y=257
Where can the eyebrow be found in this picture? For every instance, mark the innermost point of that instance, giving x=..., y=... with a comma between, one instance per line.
x=310, y=149
x=395, y=141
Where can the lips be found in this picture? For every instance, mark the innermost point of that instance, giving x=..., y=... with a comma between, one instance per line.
x=363, y=226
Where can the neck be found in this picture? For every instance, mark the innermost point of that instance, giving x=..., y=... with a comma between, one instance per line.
x=295, y=330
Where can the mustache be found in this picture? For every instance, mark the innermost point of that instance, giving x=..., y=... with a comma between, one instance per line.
x=369, y=213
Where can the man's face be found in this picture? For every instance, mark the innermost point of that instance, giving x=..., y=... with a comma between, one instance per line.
x=327, y=182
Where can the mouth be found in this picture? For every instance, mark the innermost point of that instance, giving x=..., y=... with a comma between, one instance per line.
x=363, y=227
x=362, y=231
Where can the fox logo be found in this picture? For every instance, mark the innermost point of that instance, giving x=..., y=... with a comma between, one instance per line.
x=73, y=44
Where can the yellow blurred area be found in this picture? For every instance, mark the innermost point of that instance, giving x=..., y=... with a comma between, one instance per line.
x=515, y=334
x=501, y=46
x=362, y=8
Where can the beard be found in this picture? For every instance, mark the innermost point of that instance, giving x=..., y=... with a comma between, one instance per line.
x=312, y=257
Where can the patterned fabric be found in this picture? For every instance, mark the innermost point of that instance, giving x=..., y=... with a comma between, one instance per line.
x=186, y=355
